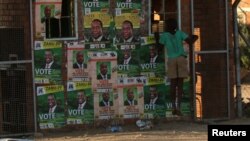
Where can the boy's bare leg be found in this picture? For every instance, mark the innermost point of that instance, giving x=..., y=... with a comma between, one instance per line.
x=179, y=95
x=173, y=85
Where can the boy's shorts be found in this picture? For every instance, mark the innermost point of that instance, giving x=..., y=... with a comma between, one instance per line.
x=177, y=67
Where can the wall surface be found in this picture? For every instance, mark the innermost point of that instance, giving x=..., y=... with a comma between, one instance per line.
x=211, y=66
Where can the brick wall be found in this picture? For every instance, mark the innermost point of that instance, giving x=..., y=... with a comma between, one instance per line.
x=211, y=67
x=244, y=11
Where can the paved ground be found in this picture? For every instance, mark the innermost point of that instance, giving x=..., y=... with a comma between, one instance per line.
x=172, y=130
x=163, y=131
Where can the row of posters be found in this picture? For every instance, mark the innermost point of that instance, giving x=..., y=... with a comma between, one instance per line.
x=98, y=87
x=50, y=16
x=86, y=64
x=112, y=73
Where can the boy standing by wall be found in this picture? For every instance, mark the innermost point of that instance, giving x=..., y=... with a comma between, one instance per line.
x=177, y=67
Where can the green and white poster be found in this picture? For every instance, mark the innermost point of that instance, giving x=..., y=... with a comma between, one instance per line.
x=97, y=20
x=80, y=103
x=127, y=22
x=154, y=101
x=152, y=60
x=50, y=102
x=48, y=62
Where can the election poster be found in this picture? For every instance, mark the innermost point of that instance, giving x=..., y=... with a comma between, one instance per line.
x=127, y=23
x=80, y=103
x=154, y=101
x=50, y=102
x=48, y=62
x=45, y=10
x=128, y=62
x=97, y=20
x=152, y=58
x=131, y=97
x=77, y=62
x=103, y=68
x=106, y=103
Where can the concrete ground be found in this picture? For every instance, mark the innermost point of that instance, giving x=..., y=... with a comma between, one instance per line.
x=163, y=131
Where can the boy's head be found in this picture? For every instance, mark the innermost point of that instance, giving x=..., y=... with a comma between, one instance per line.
x=171, y=24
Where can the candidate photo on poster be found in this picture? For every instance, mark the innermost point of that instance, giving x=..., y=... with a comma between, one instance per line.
x=54, y=104
x=126, y=34
x=82, y=101
x=50, y=18
x=79, y=62
x=130, y=96
x=126, y=57
x=96, y=33
x=103, y=70
x=46, y=12
x=154, y=97
x=106, y=99
x=50, y=60
x=155, y=56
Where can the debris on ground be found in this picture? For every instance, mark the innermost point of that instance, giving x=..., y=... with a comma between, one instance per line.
x=144, y=124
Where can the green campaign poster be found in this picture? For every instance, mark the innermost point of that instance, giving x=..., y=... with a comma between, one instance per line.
x=128, y=62
x=154, y=100
x=48, y=62
x=80, y=103
x=50, y=102
x=152, y=60
x=97, y=22
x=127, y=23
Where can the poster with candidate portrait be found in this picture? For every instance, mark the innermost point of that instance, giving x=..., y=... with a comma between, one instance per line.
x=45, y=9
x=103, y=68
x=50, y=102
x=127, y=22
x=152, y=58
x=97, y=22
x=48, y=62
x=80, y=103
x=105, y=103
x=131, y=97
x=155, y=101
x=77, y=62
x=128, y=63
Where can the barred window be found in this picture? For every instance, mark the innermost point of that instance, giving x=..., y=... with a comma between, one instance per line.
x=160, y=11
x=64, y=27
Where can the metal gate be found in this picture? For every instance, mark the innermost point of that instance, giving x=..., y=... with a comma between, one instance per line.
x=211, y=76
x=16, y=84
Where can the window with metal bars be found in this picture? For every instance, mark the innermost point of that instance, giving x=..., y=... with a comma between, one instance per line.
x=65, y=26
x=160, y=11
